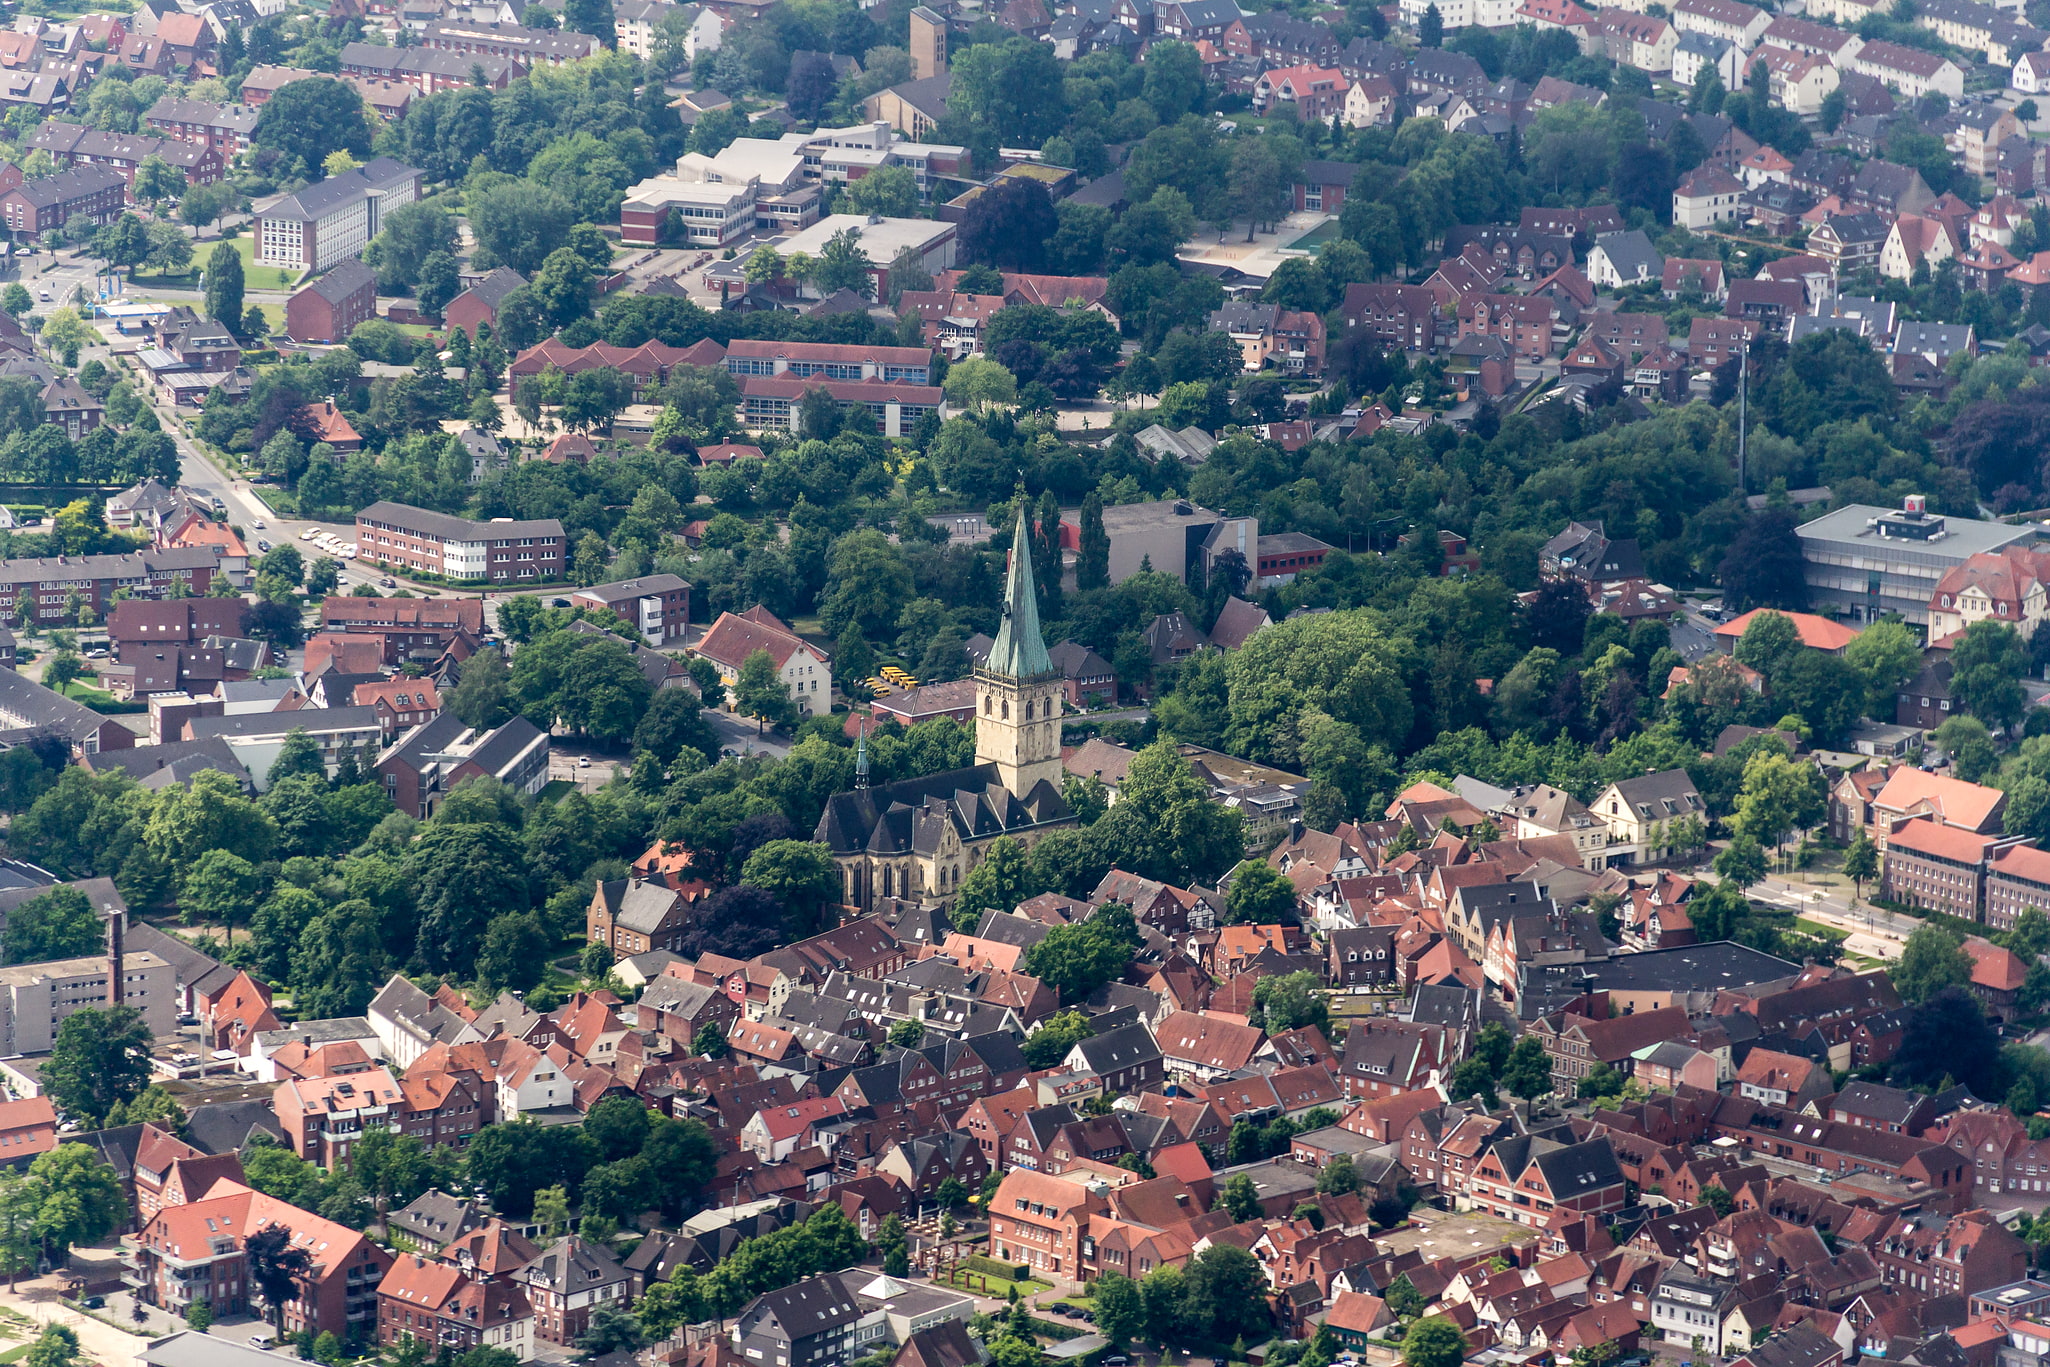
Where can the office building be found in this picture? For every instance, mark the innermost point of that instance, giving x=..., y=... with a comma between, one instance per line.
x=1863, y=562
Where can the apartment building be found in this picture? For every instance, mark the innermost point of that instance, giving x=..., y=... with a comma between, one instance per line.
x=1038, y=1219
x=192, y=1253
x=325, y=1116
x=36, y=999
x=34, y=207
x=1932, y=865
x=503, y=550
x=655, y=605
x=528, y=46
x=334, y=219
x=432, y=760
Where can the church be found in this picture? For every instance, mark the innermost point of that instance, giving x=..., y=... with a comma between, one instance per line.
x=916, y=839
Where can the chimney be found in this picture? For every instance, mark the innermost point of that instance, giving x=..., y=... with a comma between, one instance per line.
x=117, y=928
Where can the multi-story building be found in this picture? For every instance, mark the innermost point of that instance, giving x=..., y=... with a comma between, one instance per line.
x=76, y=145
x=503, y=551
x=436, y=1303
x=1868, y=562
x=528, y=46
x=432, y=760
x=826, y=361
x=34, y=207
x=193, y=1253
x=567, y=1282
x=1968, y=1253
x=227, y=128
x=633, y=917
x=325, y=1117
x=1039, y=1220
x=803, y=666
x=431, y=69
x=1402, y=317
x=1932, y=865
x=414, y=622
x=1173, y=536
x=809, y=1324
x=1527, y=1180
x=334, y=219
x=655, y=605
x=36, y=999
x=1910, y=71
x=2018, y=877
x=329, y=308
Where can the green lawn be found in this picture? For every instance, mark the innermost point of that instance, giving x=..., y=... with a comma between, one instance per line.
x=998, y=1287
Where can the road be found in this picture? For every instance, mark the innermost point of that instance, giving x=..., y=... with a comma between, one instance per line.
x=1693, y=635
x=1874, y=932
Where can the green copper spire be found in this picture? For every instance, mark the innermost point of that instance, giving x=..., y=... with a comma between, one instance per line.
x=1019, y=651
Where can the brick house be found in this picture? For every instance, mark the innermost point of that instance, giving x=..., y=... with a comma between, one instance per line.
x=1929, y=864
x=329, y=309
x=1525, y=322
x=567, y=1282
x=436, y=1303
x=193, y=1252
x=634, y=917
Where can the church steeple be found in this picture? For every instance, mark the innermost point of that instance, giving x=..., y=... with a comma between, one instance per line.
x=1019, y=651
x=1018, y=690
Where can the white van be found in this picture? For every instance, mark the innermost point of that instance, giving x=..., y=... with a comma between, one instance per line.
x=266, y=1337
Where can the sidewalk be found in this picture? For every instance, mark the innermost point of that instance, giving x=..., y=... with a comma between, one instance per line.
x=40, y=1299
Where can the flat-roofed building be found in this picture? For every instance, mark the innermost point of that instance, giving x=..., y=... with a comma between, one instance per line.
x=1865, y=562
x=334, y=219
x=655, y=605
x=36, y=999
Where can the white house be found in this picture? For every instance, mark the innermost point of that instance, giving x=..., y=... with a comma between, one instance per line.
x=1728, y=20
x=802, y=666
x=1910, y=71
x=2032, y=73
x=1696, y=51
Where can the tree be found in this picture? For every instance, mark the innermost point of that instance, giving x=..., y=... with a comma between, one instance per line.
x=999, y=883
x=595, y=18
x=515, y=953
x=1434, y=1341
x=1403, y=1299
x=674, y=722
x=1009, y=225
x=224, y=286
x=1431, y=28
x=1933, y=959
x=275, y=1265
x=1763, y=567
x=1228, y=1292
x=1528, y=1073
x=1886, y=655
x=563, y=287
x=220, y=888
x=1861, y=861
x=58, y=924
x=1092, y=566
x=891, y=191
x=306, y=120
x=482, y=697
x=1260, y=894
x=843, y=265
x=100, y=1060
x=801, y=875
x=1986, y=671
x=1337, y=1177
x=1291, y=1001
x=1076, y=960
x=1742, y=862
x=761, y=693
x=1120, y=1308
x=56, y=1346
x=980, y=384
x=1240, y=1199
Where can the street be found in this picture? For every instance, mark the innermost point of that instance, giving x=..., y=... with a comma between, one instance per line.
x=1875, y=932
x=1693, y=635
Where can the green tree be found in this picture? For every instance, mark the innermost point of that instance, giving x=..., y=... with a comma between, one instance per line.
x=891, y=191
x=482, y=697
x=1742, y=861
x=56, y=1346
x=224, y=286
x=1290, y=1001
x=1987, y=666
x=999, y=883
x=1861, y=861
x=58, y=924
x=1433, y=1341
x=1932, y=959
x=514, y=956
x=219, y=889
x=761, y=693
x=1120, y=1308
x=801, y=875
x=1260, y=895
x=1240, y=1199
x=276, y=1267
x=100, y=1060
x=306, y=120
x=1886, y=655
x=1528, y=1073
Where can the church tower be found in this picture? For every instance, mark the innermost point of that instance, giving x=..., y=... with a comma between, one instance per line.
x=1018, y=690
